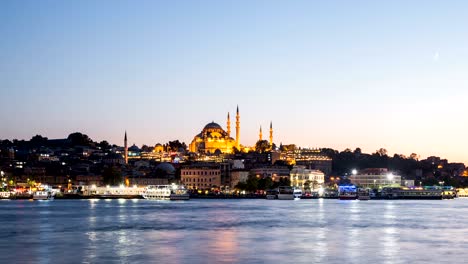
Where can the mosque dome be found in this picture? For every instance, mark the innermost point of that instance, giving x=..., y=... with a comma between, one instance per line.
x=134, y=148
x=167, y=167
x=212, y=125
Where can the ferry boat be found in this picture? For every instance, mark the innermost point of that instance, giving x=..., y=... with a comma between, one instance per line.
x=418, y=193
x=272, y=194
x=165, y=192
x=43, y=195
x=347, y=192
x=363, y=194
x=5, y=195
x=285, y=193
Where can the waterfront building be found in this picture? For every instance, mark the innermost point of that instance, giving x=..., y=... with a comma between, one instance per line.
x=85, y=180
x=311, y=158
x=201, y=177
x=274, y=172
x=238, y=175
x=375, y=178
x=301, y=176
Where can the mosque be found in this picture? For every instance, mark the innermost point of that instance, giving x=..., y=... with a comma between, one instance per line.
x=214, y=139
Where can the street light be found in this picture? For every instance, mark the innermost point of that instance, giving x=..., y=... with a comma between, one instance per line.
x=354, y=171
x=390, y=176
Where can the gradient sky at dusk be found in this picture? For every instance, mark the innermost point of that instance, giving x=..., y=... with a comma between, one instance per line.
x=339, y=74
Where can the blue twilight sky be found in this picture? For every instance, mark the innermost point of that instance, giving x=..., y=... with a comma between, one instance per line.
x=338, y=74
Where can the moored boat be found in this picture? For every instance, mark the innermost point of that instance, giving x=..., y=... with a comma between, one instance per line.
x=165, y=192
x=43, y=195
x=297, y=193
x=272, y=194
x=347, y=192
x=363, y=194
x=285, y=193
x=5, y=195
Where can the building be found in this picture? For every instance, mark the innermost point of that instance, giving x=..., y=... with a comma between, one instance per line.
x=375, y=178
x=301, y=177
x=274, y=172
x=213, y=139
x=238, y=175
x=311, y=158
x=201, y=177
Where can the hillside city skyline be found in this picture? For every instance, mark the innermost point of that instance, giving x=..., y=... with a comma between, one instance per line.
x=328, y=74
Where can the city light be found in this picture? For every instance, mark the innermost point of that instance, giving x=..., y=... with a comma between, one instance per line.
x=390, y=176
x=354, y=171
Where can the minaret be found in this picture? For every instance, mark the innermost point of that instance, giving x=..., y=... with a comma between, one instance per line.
x=271, y=133
x=228, y=126
x=125, y=148
x=237, y=128
x=260, y=134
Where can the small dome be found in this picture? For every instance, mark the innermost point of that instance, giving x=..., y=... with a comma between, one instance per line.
x=134, y=148
x=158, y=145
x=212, y=125
x=167, y=167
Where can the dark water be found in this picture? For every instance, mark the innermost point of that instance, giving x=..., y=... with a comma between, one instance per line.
x=233, y=231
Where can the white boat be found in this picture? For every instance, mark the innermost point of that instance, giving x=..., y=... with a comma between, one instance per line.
x=297, y=193
x=5, y=195
x=165, y=192
x=285, y=193
x=43, y=195
x=178, y=192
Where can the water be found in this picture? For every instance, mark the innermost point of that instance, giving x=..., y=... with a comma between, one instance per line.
x=233, y=231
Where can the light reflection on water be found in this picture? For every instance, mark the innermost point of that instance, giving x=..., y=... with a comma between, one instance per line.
x=233, y=231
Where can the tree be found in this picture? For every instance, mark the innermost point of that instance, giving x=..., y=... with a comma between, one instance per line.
x=265, y=183
x=79, y=139
x=414, y=156
x=146, y=148
x=235, y=150
x=112, y=176
x=176, y=145
x=251, y=184
x=262, y=146
x=104, y=145
x=38, y=141
x=381, y=152
x=307, y=185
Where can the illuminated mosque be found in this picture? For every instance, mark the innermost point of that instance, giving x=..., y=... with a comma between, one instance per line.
x=214, y=139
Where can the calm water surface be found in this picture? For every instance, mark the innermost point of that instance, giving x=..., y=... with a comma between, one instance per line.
x=233, y=231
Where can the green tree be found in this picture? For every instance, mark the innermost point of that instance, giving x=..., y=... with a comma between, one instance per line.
x=265, y=183
x=112, y=176
x=252, y=184
x=307, y=185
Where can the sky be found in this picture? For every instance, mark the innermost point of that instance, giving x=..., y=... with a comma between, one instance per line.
x=338, y=74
